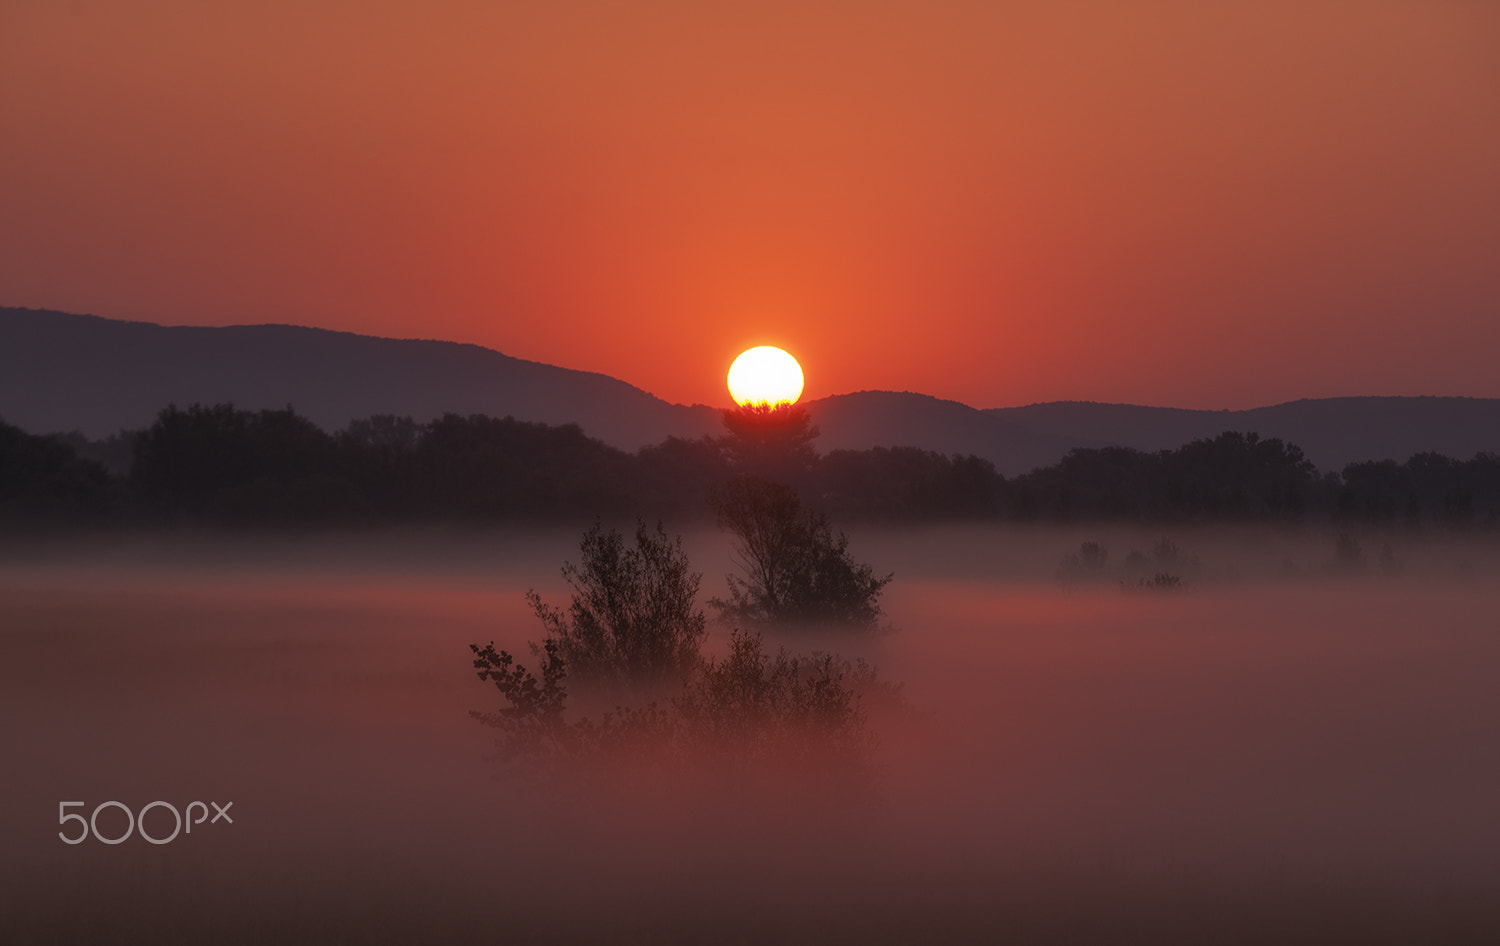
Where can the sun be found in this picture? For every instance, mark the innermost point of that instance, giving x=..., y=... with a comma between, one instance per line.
x=765, y=375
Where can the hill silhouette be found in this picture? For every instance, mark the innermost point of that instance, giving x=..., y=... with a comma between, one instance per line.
x=62, y=372
x=889, y=419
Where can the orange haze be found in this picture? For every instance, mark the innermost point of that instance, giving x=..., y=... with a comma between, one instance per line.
x=1202, y=205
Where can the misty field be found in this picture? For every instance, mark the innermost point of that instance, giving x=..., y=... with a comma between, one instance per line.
x=1298, y=740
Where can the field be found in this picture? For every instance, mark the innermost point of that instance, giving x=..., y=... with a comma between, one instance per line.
x=1288, y=747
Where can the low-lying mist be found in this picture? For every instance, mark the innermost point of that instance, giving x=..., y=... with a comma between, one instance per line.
x=1295, y=741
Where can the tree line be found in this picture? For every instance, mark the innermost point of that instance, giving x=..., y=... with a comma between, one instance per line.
x=219, y=465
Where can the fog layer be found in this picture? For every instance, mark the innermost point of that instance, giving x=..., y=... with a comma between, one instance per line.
x=1291, y=744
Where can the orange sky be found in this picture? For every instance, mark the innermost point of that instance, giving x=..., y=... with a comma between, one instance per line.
x=1190, y=204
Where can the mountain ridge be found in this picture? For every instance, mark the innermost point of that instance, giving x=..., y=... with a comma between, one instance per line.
x=63, y=371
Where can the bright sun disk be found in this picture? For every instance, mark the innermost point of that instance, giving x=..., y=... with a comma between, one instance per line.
x=765, y=375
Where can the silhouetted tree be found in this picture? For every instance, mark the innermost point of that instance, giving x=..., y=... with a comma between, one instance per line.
x=796, y=568
x=219, y=464
x=386, y=431
x=905, y=482
x=44, y=482
x=675, y=475
x=116, y=453
x=773, y=441
x=241, y=466
x=478, y=467
x=632, y=621
x=1233, y=476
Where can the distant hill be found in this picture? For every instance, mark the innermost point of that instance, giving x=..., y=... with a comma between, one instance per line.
x=62, y=372
x=888, y=419
x=1332, y=432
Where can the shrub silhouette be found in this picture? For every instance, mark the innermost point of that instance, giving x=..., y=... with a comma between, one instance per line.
x=1161, y=581
x=632, y=620
x=1086, y=564
x=747, y=712
x=796, y=569
x=1348, y=555
x=532, y=726
x=754, y=710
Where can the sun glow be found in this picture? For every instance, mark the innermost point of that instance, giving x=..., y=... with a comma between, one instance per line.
x=765, y=375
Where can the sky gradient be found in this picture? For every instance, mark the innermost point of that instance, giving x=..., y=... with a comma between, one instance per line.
x=1182, y=204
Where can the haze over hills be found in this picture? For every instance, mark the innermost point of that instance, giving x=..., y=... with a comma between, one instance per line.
x=61, y=372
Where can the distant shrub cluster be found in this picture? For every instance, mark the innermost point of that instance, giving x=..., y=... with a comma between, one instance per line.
x=1162, y=570
x=220, y=465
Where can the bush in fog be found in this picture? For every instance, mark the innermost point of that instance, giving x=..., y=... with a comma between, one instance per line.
x=796, y=568
x=632, y=620
x=1085, y=564
x=532, y=724
x=1348, y=555
x=1389, y=564
x=1161, y=581
x=750, y=712
x=537, y=739
x=753, y=709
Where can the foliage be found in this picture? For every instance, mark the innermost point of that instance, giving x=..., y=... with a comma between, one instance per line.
x=219, y=464
x=1428, y=486
x=746, y=714
x=532, y=725
x=674, y=476
x=1233, y=476
x=1348, y=555
x=1087, y=563
x=771, y=440
x=479, y=467
x=797, y=570
x=751, y=709
x=1161, y=581
x=42, y=479
x=632, y=620
x=223, y=464
x=904, y=482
